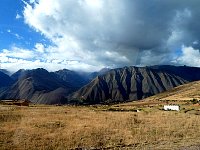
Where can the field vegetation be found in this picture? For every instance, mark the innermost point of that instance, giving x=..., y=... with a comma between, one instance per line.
x=99, y=127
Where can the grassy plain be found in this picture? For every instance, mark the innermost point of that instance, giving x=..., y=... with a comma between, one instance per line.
x=99, y=127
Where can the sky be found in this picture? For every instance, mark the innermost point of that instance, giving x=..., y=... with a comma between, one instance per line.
x=89, y=35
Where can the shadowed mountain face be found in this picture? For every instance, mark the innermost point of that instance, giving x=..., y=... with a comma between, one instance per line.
x=134, y=83
x=5, y=71
x=72, y=78
x=5, y=80
x=38, y=86
x=185, y=72
x=19, y=74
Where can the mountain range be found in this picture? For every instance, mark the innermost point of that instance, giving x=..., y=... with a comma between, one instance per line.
x=106, y=86
x=40, y=86
x=135, y=83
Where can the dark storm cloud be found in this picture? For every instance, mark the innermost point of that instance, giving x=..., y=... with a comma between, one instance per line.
x=119, y=32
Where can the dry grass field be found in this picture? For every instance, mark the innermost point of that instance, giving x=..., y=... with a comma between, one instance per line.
x=97, y=127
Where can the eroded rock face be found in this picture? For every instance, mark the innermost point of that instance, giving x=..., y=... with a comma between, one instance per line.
x=128, y=83
x=38, y=86
x=116, y=85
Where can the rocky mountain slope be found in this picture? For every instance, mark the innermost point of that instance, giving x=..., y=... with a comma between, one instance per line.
x=134, y=83
x=184, y=92
x=38, y=86
x=116, y=85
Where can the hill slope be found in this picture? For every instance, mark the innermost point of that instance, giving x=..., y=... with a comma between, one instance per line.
x=128, y=83
x=187, y=91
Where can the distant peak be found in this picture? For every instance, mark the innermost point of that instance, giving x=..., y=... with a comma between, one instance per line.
x=104, y=69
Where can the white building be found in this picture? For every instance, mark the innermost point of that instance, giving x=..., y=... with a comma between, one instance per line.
x=172, y=107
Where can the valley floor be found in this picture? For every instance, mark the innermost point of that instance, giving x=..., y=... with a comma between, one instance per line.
x=98, y=127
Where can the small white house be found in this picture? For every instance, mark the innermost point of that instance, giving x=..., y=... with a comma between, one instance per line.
x=172, y=107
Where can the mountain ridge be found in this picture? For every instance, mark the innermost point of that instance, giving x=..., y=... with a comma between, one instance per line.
x=133, y=83
x=110, y=85
x=38, y=86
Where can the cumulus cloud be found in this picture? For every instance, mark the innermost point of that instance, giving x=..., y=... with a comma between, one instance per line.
x=16, y=52
x=189, y=56
x=39, y=47
x=16, y=58
x=113, y=33
x=13, y=64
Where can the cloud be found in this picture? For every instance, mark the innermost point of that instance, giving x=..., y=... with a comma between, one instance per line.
x=18, y=36
x=113, y=33
x=14, y=34
x=39, y=47
x=18, y=16
x=13, y=65
x=16, y=58
x=189, y=57
x=16, y=52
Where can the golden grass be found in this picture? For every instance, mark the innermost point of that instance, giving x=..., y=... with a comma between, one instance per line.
x=67, y=127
